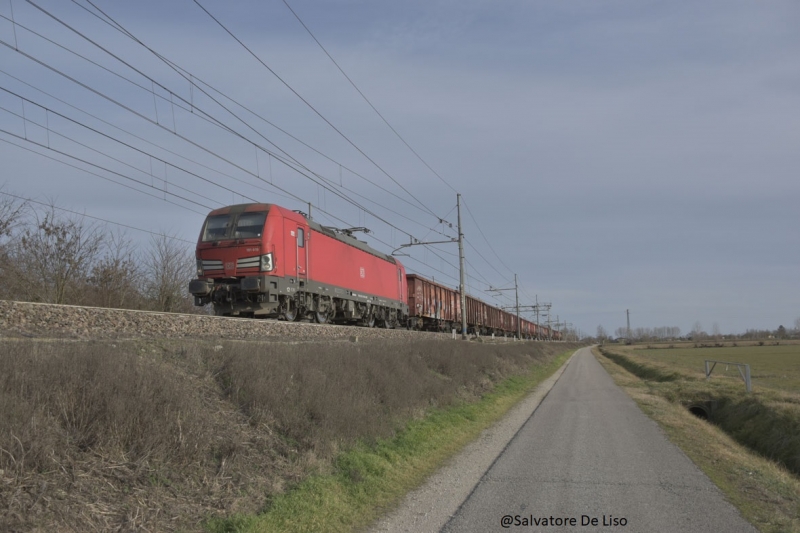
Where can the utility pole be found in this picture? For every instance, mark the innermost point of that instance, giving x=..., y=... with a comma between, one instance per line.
x=461, y=273
x=516, y=294
x=461, y=284
x=544, y=306
x=628, y=316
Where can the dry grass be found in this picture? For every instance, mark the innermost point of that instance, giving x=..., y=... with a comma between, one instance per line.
x=162, y=435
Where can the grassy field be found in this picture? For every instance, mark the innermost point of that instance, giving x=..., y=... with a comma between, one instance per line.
x=751, y=448
x=772, y=366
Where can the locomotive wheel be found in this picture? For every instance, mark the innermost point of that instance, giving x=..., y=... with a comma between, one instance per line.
x=323, y=318
x=369, y=322
x=293, y=314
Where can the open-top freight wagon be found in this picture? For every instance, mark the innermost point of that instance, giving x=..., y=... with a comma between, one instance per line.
x=262, y=260
x=436, y=307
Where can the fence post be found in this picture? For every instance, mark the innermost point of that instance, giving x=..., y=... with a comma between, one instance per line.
x=747, y=378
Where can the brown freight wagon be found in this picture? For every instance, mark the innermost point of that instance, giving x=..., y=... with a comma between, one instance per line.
x=436, y=307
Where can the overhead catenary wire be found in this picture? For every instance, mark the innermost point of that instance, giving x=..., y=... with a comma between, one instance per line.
x=194, y=80
x=337, y=130
x=277, y=156
x=138, y=137
x=99, y=176
x=31, y=200
x=22, y=138
x=361, y=207
x=50, y=130
x=365, y=97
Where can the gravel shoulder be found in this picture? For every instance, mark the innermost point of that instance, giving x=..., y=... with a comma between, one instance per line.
x=429, y=507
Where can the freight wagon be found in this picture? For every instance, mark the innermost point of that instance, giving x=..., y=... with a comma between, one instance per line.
x=436, y=307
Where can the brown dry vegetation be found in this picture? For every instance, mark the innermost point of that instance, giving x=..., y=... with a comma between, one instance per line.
x=162, y=435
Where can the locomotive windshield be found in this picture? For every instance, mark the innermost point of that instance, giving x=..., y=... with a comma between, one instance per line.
x=249, y=225
x=243, y=226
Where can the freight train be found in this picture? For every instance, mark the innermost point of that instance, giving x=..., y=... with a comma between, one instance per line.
x=265, y=261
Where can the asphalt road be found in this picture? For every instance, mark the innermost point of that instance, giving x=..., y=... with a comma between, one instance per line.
x=588, y=452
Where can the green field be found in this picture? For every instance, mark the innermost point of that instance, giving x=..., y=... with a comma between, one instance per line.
x=771, y=366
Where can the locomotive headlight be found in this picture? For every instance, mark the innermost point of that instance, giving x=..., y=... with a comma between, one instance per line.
x=266, y=263
x=199, y=268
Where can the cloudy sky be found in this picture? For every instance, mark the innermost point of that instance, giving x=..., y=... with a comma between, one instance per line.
x=615, y=155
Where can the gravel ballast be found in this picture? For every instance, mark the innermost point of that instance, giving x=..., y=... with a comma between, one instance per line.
x=70, y=321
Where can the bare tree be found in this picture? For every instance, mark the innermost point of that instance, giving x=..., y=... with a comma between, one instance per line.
x=169, y=267
x=116, y=279
x=797, y=325
x=12, y=213
x=53, y=257
x=602, y=334
x=715, y=331
x=697, y=331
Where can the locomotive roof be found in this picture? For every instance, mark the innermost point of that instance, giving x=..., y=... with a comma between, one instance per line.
x=240, y=208
x=339, y=236
x=349, y=239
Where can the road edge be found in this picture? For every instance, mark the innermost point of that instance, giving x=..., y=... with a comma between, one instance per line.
x=429, y=507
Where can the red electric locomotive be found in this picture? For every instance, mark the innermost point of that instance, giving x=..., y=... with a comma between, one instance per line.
x=262, y=260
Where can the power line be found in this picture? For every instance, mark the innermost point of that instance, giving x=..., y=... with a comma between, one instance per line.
x=49, y=129
x=193, y=79
x=211, y=151
x=98, y=175
x=174, y=132
x=20, y=137
x=97, y=218
x=229, y=32
x=365, y=97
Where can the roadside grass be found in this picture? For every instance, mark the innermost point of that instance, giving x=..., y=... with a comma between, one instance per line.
x=766, y=493
x=369, y=478
x=167, y=435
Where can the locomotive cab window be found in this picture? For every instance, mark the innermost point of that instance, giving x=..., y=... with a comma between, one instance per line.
x=300, y=237
x=250, y=225
x=216, y=227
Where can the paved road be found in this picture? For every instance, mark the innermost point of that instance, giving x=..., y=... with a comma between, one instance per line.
x=589, y=451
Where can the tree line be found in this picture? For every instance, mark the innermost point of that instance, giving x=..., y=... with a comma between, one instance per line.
x=697, y=333
x=48, y=256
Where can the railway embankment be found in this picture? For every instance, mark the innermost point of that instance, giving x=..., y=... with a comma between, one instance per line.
x=79, y=322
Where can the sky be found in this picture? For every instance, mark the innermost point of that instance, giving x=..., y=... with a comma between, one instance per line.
x=619, y=155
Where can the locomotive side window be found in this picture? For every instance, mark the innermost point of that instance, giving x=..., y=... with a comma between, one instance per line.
x=250, y=225
x=300, y=237
x=216, y=227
